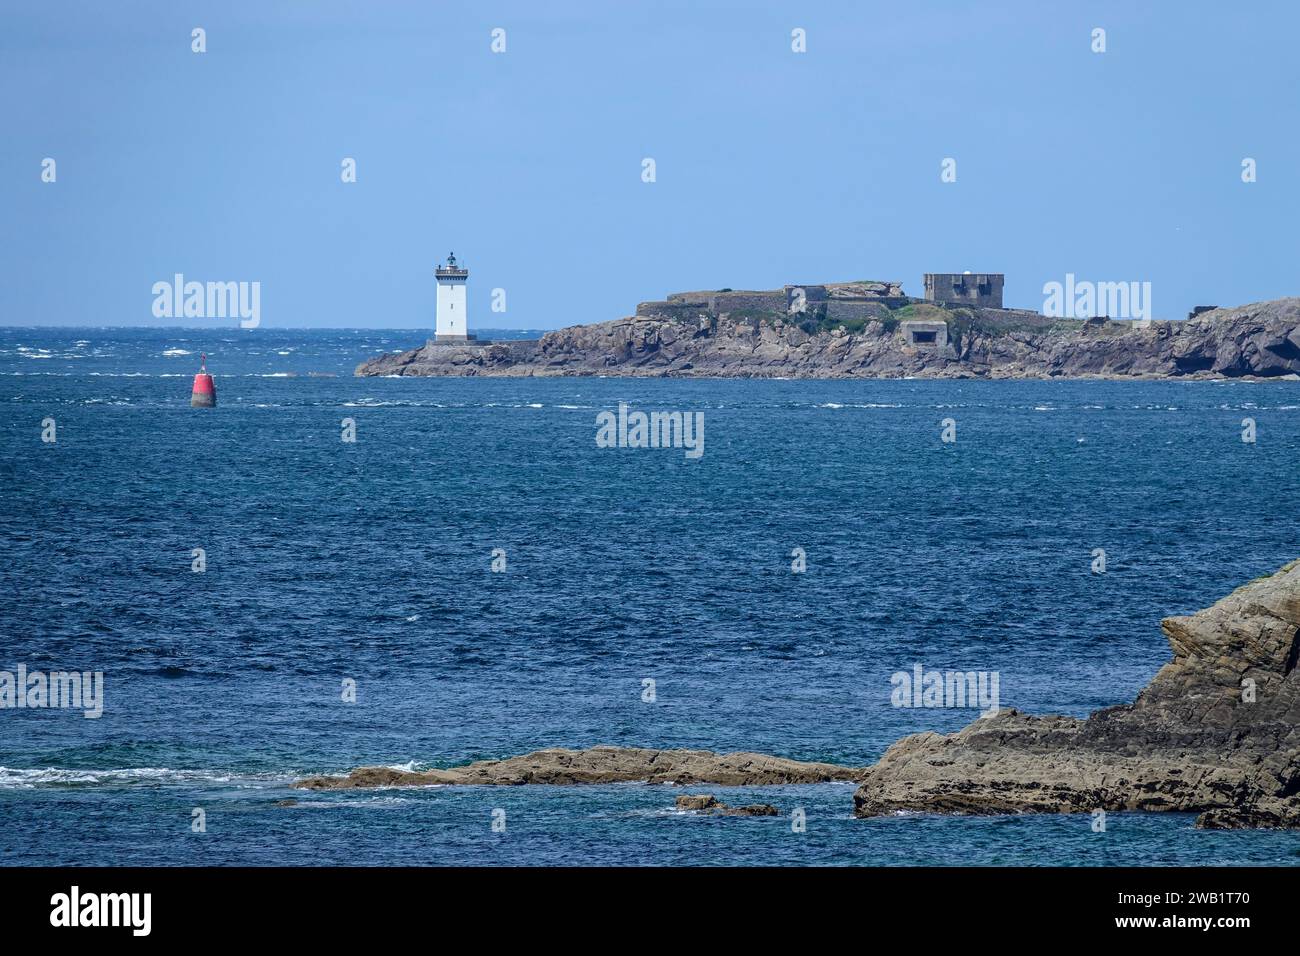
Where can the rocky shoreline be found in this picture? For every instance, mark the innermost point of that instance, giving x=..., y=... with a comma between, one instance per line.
x=557, y=766
x=1216, y=732
x=684, y=338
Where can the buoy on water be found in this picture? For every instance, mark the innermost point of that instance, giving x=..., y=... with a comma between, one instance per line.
x=204, y=394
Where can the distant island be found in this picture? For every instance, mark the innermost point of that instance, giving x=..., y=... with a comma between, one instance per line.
x=870, y=329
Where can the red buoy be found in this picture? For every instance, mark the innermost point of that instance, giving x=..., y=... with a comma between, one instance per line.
x=204, y=394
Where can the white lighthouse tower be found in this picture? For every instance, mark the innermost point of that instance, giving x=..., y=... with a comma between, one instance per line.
x=452, y=317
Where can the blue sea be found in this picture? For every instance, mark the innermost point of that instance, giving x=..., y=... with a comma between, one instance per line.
x=330, y=562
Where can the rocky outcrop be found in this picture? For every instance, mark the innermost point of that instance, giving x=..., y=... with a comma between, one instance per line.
x=698, y=803
x=707, y=803
x=600, y=765
x=685, y=339
x=1216, y=732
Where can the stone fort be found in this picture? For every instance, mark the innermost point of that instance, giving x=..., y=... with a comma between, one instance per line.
x=840, y=301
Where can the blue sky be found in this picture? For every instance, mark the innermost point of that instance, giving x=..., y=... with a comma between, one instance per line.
x=772, y=166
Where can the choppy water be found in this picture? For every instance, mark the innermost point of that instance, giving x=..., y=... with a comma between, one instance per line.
x=370, y=561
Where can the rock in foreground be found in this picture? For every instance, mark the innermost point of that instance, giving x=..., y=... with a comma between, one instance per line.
x=600, y=765
x=1216, y=732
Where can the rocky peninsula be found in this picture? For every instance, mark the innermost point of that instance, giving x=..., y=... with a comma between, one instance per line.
x=871, y=330
x=1216, y=732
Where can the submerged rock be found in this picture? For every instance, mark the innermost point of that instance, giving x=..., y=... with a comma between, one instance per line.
x=701, y=801
x=708, y=803
x=1217, y=732
x=600, y=765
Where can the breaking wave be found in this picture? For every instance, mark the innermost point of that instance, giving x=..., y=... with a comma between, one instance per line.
x=30, y=779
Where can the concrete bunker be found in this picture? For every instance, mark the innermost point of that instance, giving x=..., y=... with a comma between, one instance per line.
x=927, y=334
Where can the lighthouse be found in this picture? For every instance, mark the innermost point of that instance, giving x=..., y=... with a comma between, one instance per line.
x=452, y=318
x=204, y=393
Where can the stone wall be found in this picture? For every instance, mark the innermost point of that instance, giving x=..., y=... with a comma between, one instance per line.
x=717, y=302
x=842, y=301
x=847, y=299
x=677, y=310
x=844, y=310
x=689, y=298
x=748, y=301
